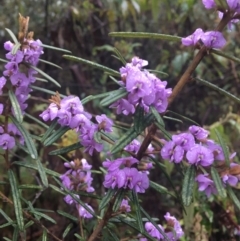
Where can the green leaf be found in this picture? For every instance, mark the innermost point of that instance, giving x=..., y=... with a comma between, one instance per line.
x=97, y=137
x=158, y=118
x=157, y=72
x=30, y=223
x=6, y=216
x=113, y=96
x=221, y=91
x=6, y=225
x=7, y=239
x=36, y=120
x=223, y=54
x=50, y=129
x=45, y=90
x=120, y=56
x=42, y=215
x=27, y=138
x=145, y=35
x=224, y=148
x=233, y=197
x=3, y=60
x=139, y=119
x=55, y=48
x=154, y=224
x=41, y=79
x=138, y=211
x=218, y=183
x=56, y=135
x=160, y=188
x=12, y=35
x=183, y=117
x=130, y=135
x=16, y=200
x=50, y=63
x=30, y=186
x=92, y=64
x=66, y=149
x=42, y=172
x=93, y=97
x=35, y=167
x=45, y=75
x=188, y=185
x=15, y=234
x=67, y=229
x=118, y=200
x=106, y=199
x=16, y=106
x=15, y=48
x=165, y=133
x=113, y=235
x=67, y=215
x=44, y=235
x=172, y=119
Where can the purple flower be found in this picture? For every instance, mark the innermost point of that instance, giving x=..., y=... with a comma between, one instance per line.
x=200, y=155
x=72, y=104
x=69, y=200
x=115, y=179
x=161, y=101
x=209, y=4
x=198, y=132
x=216, y=150
x=65, y=117
x=177, y=232
x=17, y=57
x=150, y=228
x=131, y=175
x=141, y=182
x=192, y=39
x=230, y=179
x=213, y=39
x=123, y=106
x=91, y=145
x=220, y=15
x=7, y=141
x=83, y=212
x=172, y=152
x=1, y=108
x=205, y=184
x=11, y=68
x=104, y=122
x=133, y=146
x=185, y=140
x=80, y=122
x=8, y=45
x=125, y=207
x=50, y=113
x=3, y=81
x=136, y=61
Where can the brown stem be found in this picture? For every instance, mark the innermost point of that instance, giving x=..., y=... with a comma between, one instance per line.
x=29, y=216
x=102, y=223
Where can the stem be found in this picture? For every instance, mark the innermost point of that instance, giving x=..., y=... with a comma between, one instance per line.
x=102, y=223
x=81, y=227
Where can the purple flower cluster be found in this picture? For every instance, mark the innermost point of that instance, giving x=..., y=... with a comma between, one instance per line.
x=211, y=39
x=196, y=149
x=173, y=230
x=70, y=112
x=121, y=174
x=78, y=178
x=143, y=88
x=21, y=80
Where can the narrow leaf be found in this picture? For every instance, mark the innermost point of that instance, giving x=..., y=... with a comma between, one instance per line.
x=221, y=91
x=55, y=48
x=56, y=135
x=16, y=107
x=158, y=72
x=42, y=172
x=233, y=197
x=113, y=235
x=41, y=79
x=6, y=225
x=159, y=188
x=172, y=119
x=92, y=64
x=120, y=56
x=36, y=120
x=145, y=35
x=30, y=186
x=188, y=185
x=7, y=239
x=165, y=133
x=67, y=215
x=50, y=63
x=15, y=234
x=113, y=96
x=106, y=199
x=118, y=200
x=93, y=97
x=45, y=90
x=223, y=54
x=66, y=149
x=45, y=75
x=50, y=130
x=42, y=215
x=138, y=211
x=27, y=138
x=12, y=35
x=16, y=200
x=6, y=216
x=224, y=148
x=67, y=229
x=139, y=119
x=44, y=235
x=218, y=183
x=158, y=118
x=15, y=48
x=30, y=223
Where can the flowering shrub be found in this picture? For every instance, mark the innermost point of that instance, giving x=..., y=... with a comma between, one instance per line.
x=126, y=166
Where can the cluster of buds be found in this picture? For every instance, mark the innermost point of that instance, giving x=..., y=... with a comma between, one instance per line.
x=144, y=89
x=78, y=178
